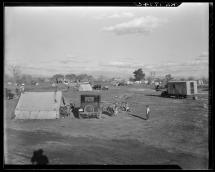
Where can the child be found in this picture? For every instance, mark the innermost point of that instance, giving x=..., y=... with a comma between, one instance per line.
x=147, y=112
x=127, y=109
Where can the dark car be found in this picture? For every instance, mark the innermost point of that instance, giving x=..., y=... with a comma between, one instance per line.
x=97, y=87
x=105, y=88
x=122, y=84
x=90, y=106
x=9, y=94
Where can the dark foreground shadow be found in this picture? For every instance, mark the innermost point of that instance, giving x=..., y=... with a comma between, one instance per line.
x=38, y=158
x=107, y=113
x=137, y=116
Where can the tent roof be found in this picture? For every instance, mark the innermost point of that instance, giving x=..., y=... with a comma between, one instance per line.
x=85, y=87
x=39, y=101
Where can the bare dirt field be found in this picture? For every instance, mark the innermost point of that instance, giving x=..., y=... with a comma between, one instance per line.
x=176, y=132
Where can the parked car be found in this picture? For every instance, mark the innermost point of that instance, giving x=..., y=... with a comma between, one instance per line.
x=105, y=88
x=122, y=84
x=90, y=106
x=97, y=87
x=9, y=94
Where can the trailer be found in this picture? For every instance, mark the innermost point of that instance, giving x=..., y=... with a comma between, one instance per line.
x=180, y=89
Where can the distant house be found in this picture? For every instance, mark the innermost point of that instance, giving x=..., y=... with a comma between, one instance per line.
x=84, y=80
x=138, y=82
x=115, y=83
x=46, y=80
x=129, y=82
x=58, y=79
x=182, y=88
x=145, y=81
x=200, y=82
x=66, y=81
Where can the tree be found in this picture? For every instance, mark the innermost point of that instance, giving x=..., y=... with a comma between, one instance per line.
x=139, y=75
x=90, y=78
x=182, y=79
x=82, y=77
x=25, y=79
x=16, y=71
x=7, y=78
x=168, y=77
x=71, y=77
x=57, y=77
x=41, y=80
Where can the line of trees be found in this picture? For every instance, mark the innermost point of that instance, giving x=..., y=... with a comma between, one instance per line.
x=140, y=75
x=71, y=77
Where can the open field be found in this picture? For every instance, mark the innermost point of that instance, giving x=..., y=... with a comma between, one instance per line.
x=176, y=132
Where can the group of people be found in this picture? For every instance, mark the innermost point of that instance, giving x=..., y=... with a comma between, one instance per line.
x=114, y=110
x=125, y=107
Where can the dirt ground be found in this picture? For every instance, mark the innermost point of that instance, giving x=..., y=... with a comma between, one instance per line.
x=176, y=132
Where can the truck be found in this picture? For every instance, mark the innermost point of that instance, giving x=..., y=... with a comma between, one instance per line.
x=90, y=106
x=180, y=89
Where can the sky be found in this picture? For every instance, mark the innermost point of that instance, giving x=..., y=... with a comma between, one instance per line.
x=109, y=41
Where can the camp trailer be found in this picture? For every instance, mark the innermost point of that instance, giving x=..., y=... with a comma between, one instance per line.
x=182, y=88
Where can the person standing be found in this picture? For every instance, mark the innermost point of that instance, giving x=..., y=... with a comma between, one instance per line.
x=147, y=112
x=127, y=109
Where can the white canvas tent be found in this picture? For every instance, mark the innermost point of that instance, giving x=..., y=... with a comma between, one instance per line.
x=85, y=87
x=39, y=105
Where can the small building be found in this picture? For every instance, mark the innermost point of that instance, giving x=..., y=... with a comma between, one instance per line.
x=72, y=84
x=146, y=81
x=200, y=82
x=183, y=88
x=157, y=83
x=115, y=83
x=138, y=82
x=129, y=82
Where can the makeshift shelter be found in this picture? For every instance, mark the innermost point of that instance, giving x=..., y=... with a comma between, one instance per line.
x=85, y=87
x=182, y=87
x=39, y=105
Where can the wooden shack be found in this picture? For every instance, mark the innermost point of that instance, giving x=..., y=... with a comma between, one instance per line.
x=182, y=88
